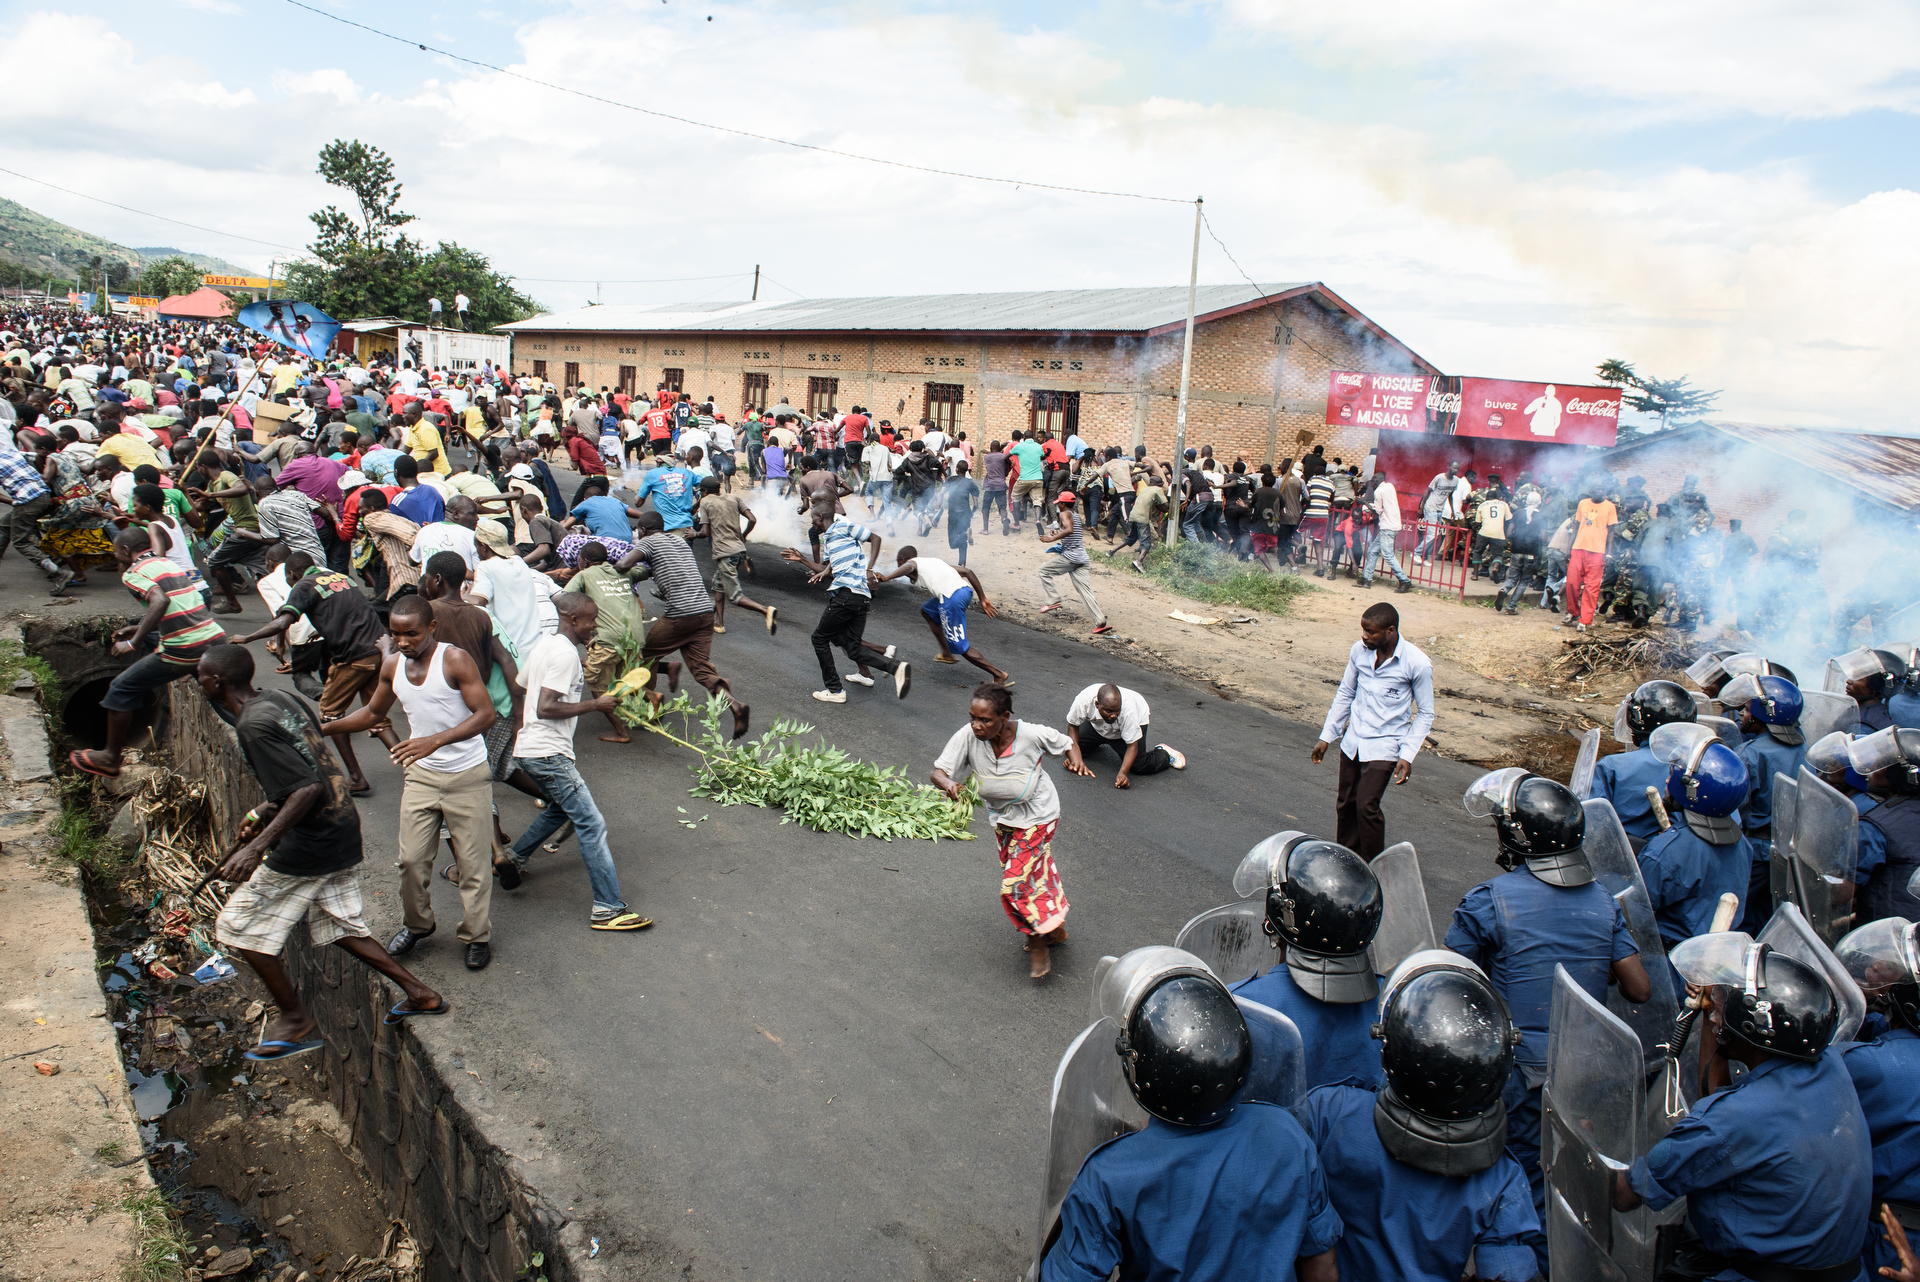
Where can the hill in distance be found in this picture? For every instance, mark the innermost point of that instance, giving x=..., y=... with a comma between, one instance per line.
x=37, y=241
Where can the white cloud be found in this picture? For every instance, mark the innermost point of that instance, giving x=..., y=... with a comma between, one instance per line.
x=1750, y=281
x=213, y=6
x=1774, y=58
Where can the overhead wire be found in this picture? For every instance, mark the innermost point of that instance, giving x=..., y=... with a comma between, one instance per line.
x=1292, y=333
x=727, y=129
x=602, y=280
x=271, y=244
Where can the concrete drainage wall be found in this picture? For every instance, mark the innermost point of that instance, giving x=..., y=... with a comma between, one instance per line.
x=475, y=1217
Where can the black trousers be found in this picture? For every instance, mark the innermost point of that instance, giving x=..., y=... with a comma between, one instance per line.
x=1360, y=825
x=1149, y=761
x=844, y=623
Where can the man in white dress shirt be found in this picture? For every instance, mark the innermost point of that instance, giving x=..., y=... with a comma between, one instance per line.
x=1380, y=717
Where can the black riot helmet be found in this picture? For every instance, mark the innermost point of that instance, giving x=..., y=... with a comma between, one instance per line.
x=1541, y=823
x=1448, y=1046
x=1792, y=1013
x=1655, y=704
x=1327, y=909
x=1186, y=1051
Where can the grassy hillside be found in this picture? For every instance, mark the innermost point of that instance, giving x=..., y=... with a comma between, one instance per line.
x=39, y=242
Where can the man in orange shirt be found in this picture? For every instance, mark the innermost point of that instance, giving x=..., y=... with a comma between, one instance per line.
x=1594, y=520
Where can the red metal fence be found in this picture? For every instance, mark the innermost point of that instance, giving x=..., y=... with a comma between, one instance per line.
x=1434, y=555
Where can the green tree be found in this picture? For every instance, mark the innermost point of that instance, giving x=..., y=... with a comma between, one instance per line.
x=166, y=277
x=364, y=264
x=1669, y=399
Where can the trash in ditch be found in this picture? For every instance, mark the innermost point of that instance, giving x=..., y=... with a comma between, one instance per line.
x=160, y=970
x=215, y=970
x=594, y=1251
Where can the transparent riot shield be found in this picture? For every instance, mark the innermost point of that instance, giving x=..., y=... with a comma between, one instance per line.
x=1825, y=712
x=1790, y=932
x=1593, y=1126
x=1826, y=846
x=1232, y=940
x=1581, y=780
x=1279, y=1072
x=1725, y=729
x=1092, y=1106
x=1621, y=733
x=1783, y=877
x=1611, y=858
x=1406, y=927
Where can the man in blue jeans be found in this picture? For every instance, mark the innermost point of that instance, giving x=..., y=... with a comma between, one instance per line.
x=556, y=686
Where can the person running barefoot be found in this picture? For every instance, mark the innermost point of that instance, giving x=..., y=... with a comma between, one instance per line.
x=1005, y=755
x=719, y=517
x=946, y=608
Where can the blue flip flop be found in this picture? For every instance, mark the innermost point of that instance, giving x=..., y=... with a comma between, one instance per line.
x=399, y=1014
x=288, y=1050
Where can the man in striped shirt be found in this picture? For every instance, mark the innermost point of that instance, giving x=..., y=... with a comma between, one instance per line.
x=688, y=623
x=851, y=550
x=177, y=619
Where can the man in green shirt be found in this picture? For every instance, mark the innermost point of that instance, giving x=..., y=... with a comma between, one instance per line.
x=1030, y=485
x=622, y=623
x=231, y=493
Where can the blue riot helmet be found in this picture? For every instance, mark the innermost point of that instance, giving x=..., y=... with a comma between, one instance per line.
x=1774, y=702
x=1706, y=779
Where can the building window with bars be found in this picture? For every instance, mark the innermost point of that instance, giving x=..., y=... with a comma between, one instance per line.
x=673, y=378
x=821, y=393
x=1056, y=412
x=573, y=374
x=942, y=407
x=629, y=377
x=754, y=391
x=540, y=369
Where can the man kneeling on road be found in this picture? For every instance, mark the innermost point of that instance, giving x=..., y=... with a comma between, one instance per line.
x=1108, y=716
x=308, y=835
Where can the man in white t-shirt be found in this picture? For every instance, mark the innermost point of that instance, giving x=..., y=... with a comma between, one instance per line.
x=519, y=597
x=950, y=590
x=1108, y=716
x=454, y=533
x=556, y=686
x=693, y=438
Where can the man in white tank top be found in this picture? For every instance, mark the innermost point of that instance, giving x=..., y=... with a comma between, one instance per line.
x=447, y=777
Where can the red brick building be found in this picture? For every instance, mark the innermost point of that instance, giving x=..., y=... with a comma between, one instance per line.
x=1103, y=361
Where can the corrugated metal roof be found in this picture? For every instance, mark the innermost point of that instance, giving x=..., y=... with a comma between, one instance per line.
x=1883, y=467
x=1101, y=310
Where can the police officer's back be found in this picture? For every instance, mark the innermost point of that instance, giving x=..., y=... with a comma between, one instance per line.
x=1623, y=778
x=1886, y=1070
x=1704, y=855
x=1888, y=761
x=1775, y=747
x=1416, y=1166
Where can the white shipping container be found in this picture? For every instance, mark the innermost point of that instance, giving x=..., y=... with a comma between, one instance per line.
x=453, y=350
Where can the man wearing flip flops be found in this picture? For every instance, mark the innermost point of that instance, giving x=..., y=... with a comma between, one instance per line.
x=299, y=855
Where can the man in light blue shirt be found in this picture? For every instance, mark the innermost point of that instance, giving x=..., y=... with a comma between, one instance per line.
x=674, y=490
x=1380, y=717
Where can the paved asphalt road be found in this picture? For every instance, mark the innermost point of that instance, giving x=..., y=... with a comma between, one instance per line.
x=826, y=1060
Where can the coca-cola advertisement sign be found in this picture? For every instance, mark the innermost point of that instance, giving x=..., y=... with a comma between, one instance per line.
x=1537, y=412
x=1397, y=402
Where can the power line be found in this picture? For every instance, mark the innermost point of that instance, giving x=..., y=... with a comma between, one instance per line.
x=725, y=129
x=144, y=214
x=1264, y=297
x=601, y=280
x=790, y=289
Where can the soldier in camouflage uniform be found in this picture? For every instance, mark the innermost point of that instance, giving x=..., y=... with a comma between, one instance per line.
x=1695, y=553
x=1621, y=595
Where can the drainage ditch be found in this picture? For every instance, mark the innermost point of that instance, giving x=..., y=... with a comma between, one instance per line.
x=355, y=1164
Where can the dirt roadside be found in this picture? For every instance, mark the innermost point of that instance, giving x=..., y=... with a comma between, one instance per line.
x=1498, y=698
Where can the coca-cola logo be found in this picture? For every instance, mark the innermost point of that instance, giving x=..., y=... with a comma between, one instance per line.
x=1595, y=409
x=1496, y=420
x=1439, y=402
x=1347, y=380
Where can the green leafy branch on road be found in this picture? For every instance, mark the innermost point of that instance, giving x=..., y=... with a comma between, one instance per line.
x=814, y=784
x=1219, y=578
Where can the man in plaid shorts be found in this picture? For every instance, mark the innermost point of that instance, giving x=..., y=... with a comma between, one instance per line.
x=299, y=855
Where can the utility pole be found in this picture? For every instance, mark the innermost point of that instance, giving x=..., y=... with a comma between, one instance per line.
x=756, y=284
x=1186, y=374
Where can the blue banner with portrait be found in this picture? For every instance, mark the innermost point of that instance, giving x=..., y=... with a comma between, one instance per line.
x=301, y=326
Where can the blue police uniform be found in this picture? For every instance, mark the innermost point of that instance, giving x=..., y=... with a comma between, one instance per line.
x=1338, y=1036
x=1904, y=708
x=1872, y=848
x=1686, y=874
x=1409, y=1224
x=1517, y=928
x=1623, y=780
x=1777, y=1167
x=1241, y=1200
x=1886, y=1076
x=1874, y=716
x=1892, y=826
x=1766, y=757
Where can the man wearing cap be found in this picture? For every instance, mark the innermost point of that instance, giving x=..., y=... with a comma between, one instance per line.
x=1069, y=559
x=519, y=597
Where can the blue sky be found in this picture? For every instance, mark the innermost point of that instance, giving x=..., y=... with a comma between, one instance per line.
x=1724, y=190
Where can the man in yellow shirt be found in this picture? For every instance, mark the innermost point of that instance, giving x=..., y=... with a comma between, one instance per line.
x=1593, y=521
x=285, y=375
x=422, y=440
x=128, y=448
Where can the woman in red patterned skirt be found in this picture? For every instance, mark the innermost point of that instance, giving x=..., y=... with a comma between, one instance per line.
x=1005, y=756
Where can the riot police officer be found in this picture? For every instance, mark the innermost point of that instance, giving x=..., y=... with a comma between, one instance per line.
x=1776, y=1168
x=1775, y=746
x=1882, y=959
x=1903, y=705
x=1871, y=677
x=1623, y=779
x=1704, y=854
x=1218, y=1185
x=1416, y=1166
x=1547, y=912
x=1889, y=761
